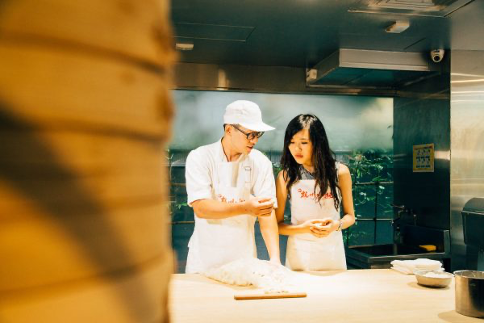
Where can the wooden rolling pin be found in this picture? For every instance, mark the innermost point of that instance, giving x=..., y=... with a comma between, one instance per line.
x=270, y=295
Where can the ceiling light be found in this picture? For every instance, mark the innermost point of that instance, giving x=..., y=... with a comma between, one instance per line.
x=398, y=27
x=184, y=46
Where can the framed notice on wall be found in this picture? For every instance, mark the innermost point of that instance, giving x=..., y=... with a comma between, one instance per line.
x=423, y=158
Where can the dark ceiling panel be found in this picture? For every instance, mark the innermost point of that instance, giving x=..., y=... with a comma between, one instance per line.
x=300, y=33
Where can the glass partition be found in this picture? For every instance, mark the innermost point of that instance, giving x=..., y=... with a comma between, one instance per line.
x=352, y=123
x=359, y=131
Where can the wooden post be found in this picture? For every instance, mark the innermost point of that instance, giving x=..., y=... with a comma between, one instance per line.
x=85, y=113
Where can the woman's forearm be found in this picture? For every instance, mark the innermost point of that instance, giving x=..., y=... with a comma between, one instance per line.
x=347, y=221
x=287, y=230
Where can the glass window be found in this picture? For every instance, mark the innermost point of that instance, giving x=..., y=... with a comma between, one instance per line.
x=359, y=130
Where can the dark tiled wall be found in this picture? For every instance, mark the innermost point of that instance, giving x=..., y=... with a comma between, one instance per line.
x=423, y=121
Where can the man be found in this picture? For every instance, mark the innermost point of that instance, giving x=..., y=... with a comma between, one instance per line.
x=229, y=185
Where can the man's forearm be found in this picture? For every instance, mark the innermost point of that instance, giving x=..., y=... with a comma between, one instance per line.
x=269, y=230
x=213, y=209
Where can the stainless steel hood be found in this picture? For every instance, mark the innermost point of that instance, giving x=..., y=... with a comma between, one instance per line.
x=370, y=69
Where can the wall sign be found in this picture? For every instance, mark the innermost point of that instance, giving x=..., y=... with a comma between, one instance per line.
x=423, y=158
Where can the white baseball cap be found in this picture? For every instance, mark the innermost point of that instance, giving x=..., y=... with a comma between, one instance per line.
x=247, y=114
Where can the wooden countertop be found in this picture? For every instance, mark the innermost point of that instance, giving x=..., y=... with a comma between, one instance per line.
x=349, y=296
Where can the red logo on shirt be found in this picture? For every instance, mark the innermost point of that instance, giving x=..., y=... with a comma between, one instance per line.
x=222, y=198
x=305, y=195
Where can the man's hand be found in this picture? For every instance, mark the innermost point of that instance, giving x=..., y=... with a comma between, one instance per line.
x=259, y=206
x=275, y=260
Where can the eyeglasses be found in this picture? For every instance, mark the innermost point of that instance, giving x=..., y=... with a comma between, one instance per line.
x=249, y=135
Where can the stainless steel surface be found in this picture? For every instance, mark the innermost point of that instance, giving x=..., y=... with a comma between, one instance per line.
x=271, y=79
x=469, y=293
x=367, y=59
x=466, y=180
x=473, y=223
x=268, y=79
x=423, y=120
x=236, y=77
x=467, y=28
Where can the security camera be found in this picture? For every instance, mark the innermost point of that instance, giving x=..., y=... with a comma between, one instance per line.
x=437, y=55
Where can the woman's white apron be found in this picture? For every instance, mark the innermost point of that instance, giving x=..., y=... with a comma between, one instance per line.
x=305, y=251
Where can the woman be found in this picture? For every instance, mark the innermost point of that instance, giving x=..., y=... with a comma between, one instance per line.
x=315, y=239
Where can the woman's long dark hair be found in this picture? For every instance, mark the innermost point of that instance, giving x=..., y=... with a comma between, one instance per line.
x=325, y=171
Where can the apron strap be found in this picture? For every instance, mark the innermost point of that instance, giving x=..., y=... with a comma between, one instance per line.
x=247, y=178
x=337, y=165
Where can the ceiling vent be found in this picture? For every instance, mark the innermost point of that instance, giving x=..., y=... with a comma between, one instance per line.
x=435, y=8
x=212, y=32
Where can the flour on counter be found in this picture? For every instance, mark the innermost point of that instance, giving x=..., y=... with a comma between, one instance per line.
x=437, y=275
x=252, y=271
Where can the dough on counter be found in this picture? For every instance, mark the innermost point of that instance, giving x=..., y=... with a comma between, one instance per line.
x=252, y=271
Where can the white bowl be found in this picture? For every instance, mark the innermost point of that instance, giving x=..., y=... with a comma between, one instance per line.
x=434, y=279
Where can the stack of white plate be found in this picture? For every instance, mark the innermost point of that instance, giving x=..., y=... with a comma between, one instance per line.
x=420, y=264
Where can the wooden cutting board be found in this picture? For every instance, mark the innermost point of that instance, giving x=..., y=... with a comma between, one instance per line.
x=250, y=296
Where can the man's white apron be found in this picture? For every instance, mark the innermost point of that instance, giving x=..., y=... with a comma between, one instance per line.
x=220, y=241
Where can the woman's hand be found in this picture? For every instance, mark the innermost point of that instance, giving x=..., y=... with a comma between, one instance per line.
x=312, y=227
x=308, y=225
x=323, y=227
